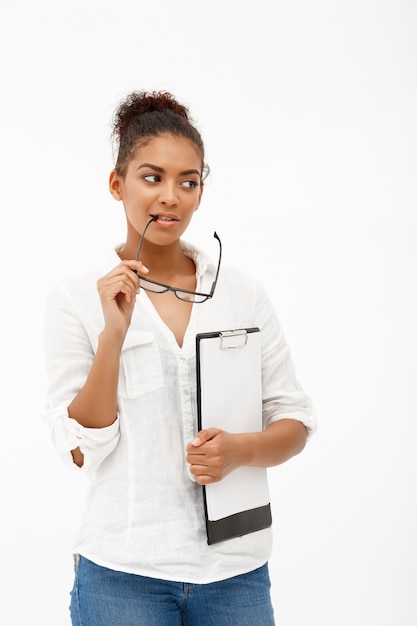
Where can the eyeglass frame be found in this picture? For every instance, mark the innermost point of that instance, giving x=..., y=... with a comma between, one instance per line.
x=206, y=296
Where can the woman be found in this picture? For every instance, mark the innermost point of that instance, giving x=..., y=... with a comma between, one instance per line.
x=121, y=401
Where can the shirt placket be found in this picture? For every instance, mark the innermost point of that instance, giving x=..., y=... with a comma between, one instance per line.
x=187, y=398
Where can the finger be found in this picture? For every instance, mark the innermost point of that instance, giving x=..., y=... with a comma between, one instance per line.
x=137, y=266
x=198, y=469
x=205, y=435
x=127, y=270
x=203, y=477
x=196, y=458
x=120, y=276
x=113, y=286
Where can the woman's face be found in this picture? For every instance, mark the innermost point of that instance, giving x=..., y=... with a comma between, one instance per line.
x=162, y=180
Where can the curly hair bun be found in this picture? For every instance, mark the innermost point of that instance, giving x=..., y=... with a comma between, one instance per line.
x=139, y=102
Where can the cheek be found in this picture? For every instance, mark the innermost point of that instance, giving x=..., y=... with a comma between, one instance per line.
x=134, y=197
x=192, y=206
x=195, y=201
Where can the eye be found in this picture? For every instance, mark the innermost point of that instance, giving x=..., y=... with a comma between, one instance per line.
x=190, y=184
x=152, y=178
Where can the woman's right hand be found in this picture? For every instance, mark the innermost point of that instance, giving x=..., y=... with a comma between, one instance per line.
x=117, y=291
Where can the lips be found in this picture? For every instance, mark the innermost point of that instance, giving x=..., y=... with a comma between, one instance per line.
x=160, y=217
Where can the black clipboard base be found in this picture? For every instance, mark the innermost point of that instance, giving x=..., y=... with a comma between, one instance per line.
x=239, y=524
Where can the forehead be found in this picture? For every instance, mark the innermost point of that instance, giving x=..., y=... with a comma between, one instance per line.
x=169, y=150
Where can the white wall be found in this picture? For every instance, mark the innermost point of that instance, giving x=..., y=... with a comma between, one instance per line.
x=309, y=114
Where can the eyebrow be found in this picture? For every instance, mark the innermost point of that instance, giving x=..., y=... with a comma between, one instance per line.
x=161, y=170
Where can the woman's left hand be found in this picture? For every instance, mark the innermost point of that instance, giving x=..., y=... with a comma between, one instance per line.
x=213, y=454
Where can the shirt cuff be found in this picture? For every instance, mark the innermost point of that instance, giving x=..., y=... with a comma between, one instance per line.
x=95, y=443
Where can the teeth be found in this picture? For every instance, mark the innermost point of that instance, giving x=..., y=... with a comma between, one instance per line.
x=165, y=219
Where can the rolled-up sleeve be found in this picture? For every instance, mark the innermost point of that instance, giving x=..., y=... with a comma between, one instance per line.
x=283, y=396
x=69, y=354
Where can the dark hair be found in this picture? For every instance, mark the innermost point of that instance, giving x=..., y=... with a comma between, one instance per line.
x=142, y=115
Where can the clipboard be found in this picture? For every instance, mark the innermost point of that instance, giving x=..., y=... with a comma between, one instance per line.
x=229, y=396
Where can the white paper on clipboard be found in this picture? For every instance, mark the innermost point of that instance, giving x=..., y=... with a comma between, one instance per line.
x=229, y=395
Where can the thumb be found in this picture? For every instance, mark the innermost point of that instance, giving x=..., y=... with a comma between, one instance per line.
x=204, y=435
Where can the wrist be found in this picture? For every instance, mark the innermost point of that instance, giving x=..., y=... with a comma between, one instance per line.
x=248, y=443
x=112, y=338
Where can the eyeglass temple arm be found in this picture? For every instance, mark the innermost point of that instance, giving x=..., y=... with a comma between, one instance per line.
x=143, y=236
x=216, y=236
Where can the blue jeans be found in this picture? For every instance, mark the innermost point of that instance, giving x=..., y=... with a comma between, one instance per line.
x=103, y=597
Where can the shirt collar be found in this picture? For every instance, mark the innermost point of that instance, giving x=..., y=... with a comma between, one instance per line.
x=201, y=260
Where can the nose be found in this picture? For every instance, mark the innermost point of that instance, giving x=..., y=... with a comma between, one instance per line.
x=168, y=194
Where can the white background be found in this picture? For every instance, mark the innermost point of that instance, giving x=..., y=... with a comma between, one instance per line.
x=308, y=110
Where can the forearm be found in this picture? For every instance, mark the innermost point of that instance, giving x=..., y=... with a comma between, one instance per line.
x=95, y=406
x=214, y=453
x=276, y=444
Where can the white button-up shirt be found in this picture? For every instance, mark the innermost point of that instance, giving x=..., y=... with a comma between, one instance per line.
x=144, y=514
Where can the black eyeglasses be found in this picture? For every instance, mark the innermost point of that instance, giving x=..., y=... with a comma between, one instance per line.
x=182, y=294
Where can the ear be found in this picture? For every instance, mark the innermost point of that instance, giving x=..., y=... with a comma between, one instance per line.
x=115, y=185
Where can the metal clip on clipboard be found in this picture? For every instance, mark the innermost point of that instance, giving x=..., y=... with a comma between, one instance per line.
x=233, y=339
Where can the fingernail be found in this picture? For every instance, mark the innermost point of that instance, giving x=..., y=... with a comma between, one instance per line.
x=196, y=441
